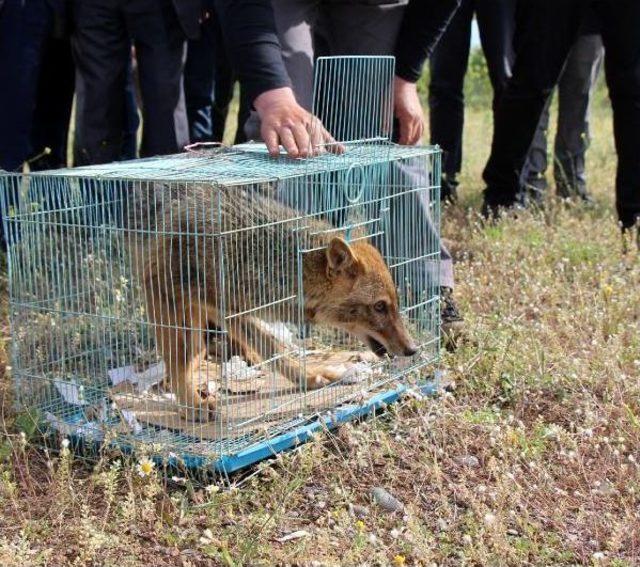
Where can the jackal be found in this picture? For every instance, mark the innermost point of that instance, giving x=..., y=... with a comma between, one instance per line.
x=229, y=257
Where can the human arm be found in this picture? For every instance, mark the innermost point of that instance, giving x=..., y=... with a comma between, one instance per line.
x=422, y=26
x=252, y=42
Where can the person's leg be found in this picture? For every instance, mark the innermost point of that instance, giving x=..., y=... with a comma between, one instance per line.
x=52, y=113
x=620, y=21
x=101, y=49
x=131, y=118
x=198, y=81
x=496, y=23
x=545, y=32
x=224, y=81
x=159, y=42
x=372, y=30
x=448, y=66
x=574, y=94
x=23, y=30
x=533, y=179
x=244, y=112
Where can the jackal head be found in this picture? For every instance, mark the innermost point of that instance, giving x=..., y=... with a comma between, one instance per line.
x=356, y=294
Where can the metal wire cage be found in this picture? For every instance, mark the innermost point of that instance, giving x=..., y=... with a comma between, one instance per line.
x=213, y=308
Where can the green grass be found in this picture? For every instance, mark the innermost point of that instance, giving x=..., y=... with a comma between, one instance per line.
x=547, y=398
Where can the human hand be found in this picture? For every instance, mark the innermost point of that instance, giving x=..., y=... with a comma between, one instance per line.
x=408, y=111
x=284, y=121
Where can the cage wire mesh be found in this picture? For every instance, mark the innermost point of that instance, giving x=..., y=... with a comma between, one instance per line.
x=214, y=307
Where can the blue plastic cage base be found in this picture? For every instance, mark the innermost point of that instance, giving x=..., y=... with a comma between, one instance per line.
x=71, y=426
x=303, y=433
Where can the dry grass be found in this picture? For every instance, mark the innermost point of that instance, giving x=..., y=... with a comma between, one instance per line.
x=547, y=401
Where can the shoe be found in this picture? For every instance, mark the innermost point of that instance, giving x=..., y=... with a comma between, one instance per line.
x=571, y=182
x=495, y=211
x=451, y=322
x=449, y=188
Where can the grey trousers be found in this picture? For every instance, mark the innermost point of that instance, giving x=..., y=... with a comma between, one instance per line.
x=344, y=27
x=572, y=138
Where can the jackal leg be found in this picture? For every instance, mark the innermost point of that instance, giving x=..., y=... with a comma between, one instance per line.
x=180, y=329
x=259, y=345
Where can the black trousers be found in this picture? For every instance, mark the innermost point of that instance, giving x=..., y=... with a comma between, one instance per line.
x=208, y=82
x=545, y=32
x=52, y=111
x=103, y=34
x=449, y=65
x=24, y=30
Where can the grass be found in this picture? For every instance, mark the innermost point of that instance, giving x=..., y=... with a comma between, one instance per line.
x=546, y=398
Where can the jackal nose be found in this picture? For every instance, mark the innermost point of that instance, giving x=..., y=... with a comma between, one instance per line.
x=410, y=350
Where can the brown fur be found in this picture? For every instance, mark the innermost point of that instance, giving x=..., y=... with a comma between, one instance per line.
x=206, y=264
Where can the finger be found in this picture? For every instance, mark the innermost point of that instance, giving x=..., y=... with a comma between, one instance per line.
x=331, y=144
x=318, y=135
x=404, y=134
x=270, y=137
x=301, y=136
x=414, y=132
x=288, y=141
x=419, y=132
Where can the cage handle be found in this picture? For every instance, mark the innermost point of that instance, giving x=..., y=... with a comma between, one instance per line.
x=196, y=146
x=353, y=199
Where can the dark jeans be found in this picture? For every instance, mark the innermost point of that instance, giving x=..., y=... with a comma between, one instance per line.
x=449, y=66
x=24, y=28
x=208, y=83
x=103, y=33
x=546, y=32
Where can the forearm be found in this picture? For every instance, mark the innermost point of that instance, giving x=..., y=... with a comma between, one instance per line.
x=423, y=24
x=252, y=42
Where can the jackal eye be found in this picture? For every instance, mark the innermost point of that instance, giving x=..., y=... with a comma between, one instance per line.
x=380, y=307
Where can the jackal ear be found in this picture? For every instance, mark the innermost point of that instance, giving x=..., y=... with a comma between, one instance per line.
x=340, y=257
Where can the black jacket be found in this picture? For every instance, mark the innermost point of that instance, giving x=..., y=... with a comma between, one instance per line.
x=189, y=14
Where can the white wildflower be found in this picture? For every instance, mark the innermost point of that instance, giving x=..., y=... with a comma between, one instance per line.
x=145, y=467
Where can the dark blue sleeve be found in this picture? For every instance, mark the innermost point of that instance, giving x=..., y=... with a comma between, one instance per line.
x=251, y=39
x=423, y=24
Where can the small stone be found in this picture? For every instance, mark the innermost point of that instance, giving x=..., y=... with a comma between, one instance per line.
x=606, y=488
x=293, y=535
x=512, y=532
x=359, y=511
x=386, y=501
x=466, y=539
x=470, y=461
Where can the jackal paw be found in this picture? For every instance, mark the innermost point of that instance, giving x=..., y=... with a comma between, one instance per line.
x=323, y=376
x=366, y=356
x=201, y=408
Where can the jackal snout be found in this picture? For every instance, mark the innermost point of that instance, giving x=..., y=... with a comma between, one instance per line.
x=358, y=295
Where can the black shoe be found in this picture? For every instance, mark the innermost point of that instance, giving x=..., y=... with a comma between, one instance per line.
x=449, y=188
x=571, y=182
x=451, y=322
x=493, y=212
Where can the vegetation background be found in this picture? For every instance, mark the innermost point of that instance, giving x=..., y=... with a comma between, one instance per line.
x=532, y=458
